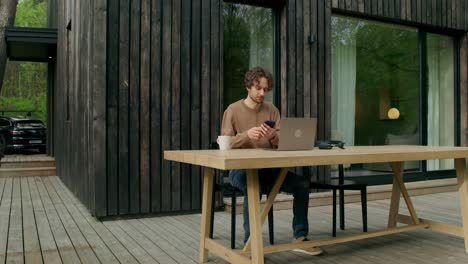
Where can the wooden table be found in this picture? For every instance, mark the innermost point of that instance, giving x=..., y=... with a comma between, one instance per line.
x=253, y=159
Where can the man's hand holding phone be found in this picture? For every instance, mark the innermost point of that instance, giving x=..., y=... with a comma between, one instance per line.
x=269, y=129
x=266, y=130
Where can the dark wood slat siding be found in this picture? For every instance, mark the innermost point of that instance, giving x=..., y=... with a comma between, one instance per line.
x=464, y=90
x=73, y=61
x=155, y=138
x=466, y=16
x=299, y=103
x=83, y=120
x=443, y=11
x=313, y=109
x=175, y=105
x=291, y=60
x=134, y=107
x=123, y=124
x=113, y=109
x=423, y=11
x=195, y=100
x=451, y=14
x=391, y=9
x=180, y=64
x=341, y=4
x=80, y=123
x=215, y=72
x=52, y=22
x=367, y=6
x=461, y=18
x=454, y=13
x=165, y=104
x=306, y=62
x=185, y=102
x=145, y=100
x=321, y=91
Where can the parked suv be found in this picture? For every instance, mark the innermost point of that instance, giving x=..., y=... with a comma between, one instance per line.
x=22, y=133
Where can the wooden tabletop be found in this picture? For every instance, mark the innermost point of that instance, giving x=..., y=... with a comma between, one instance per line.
x=261, y=158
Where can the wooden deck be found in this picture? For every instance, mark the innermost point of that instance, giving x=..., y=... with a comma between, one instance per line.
x=42, y=222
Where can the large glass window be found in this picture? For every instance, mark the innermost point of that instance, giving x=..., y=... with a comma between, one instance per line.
x=248, y=42
x=440, y=97
x=377, y=89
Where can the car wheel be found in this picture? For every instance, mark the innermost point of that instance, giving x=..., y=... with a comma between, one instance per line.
x=3, y=144
x=42, y=150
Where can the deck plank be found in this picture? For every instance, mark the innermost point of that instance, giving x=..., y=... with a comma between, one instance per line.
x=95, y=242
x=15, y=231
x=82, y=248
x=32, y=247
x=113, y=244
x=62, y=240
x=142, y=236
x=41, y=221
x=5, y=217
x=129, y=243
x=50, y=253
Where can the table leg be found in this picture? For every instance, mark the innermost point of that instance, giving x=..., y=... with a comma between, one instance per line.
x=206, y=212
x=395, y=199
x=398, y=175
x=269, y=203
x=462, y=178
x=253, y=189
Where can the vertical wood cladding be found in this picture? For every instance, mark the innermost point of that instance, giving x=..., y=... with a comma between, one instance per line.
x=137, y=77
x=164, y=63
x=440, y=13
x=80, y=100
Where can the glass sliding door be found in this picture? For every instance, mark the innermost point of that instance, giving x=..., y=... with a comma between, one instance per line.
x=248, y=42
x=440, y=96
x=375, y=87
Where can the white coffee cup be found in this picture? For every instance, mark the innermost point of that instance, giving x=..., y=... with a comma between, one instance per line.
x=224, y=142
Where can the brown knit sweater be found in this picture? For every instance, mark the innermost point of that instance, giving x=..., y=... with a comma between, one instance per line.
x=239, y=118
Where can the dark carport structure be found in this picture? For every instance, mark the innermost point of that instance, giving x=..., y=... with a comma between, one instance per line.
x=36, y=45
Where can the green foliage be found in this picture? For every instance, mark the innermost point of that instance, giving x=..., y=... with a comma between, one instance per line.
x=19, y=107
x=25, y=83
x=31, y=13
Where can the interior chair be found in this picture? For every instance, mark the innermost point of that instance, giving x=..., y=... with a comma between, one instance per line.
x=340, y=185
x=219, y=187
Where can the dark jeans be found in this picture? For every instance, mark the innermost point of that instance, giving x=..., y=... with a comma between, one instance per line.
x=295, y=184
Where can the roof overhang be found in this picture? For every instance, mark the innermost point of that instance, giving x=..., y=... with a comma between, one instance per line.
x=31, y=44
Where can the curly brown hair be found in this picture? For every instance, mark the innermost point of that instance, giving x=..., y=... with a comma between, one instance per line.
x=252, y=77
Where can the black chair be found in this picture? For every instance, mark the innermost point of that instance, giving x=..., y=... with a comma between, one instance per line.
x=340, y=185
x=228, y=188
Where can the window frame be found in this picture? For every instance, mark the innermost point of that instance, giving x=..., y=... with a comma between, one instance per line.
x=276, y=7
x=423, y=174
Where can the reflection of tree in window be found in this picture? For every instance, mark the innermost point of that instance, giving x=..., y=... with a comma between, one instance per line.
x=247, y=43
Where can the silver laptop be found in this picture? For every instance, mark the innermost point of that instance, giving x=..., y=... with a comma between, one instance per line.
x=297, y=133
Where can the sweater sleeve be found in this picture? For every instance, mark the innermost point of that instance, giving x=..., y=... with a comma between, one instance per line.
x=238, y=140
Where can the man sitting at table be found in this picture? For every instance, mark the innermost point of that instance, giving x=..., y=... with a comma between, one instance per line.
x=244, y=121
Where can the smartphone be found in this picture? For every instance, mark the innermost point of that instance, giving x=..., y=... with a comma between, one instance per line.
x=270, y=123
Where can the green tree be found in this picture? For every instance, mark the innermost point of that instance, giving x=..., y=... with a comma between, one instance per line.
x=25, y=85
x=7, y=16
x=31, y=13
